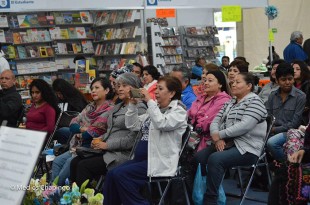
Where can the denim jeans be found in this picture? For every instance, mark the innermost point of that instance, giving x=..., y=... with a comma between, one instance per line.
x=275, y=146
x=218, y=162
x=62, y=135
x=61, y=167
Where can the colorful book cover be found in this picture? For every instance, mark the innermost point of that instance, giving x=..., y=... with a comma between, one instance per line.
x=69, y=48
x=77, y=48
x=76, y=18
x=72, y=33
x=49, y=51
x=64, y=33
x=62, y=48
x=55, y=33
x=13, y=67
x=59, y=19
x=81, y=66
x=50, y=20
x=8, y=36
x=29, y=20
x=81, y=33
x=43, y=51
x=13, y=22
x=89, y=33
x=91, y=75
x=86, y=17
x=67, y=18
x=81, y=80
x=112, y=17
x=16, y=38
x=11, y=52
x=21, y=52
x=24, y=37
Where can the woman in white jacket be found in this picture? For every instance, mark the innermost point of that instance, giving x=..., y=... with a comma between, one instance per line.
x=158, y=144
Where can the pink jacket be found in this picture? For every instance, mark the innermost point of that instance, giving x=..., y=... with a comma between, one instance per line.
x=202, y=113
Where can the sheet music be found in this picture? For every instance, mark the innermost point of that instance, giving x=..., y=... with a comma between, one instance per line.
x=19, y=150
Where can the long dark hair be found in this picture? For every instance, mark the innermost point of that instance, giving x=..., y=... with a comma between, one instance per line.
x=46, y=92
x=71, y=94
x=304, y=71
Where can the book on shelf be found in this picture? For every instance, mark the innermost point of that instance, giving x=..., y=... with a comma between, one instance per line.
x=91, y=75
x=32, y=51
x=117, y=48
x=62, y=48
x=33, y=35
x=64, y=33
x=16, y=38
x=81, y=80
x=69, y=48
x=44, y=36
x=4, y=21
x=2, y=36
x=13, y=21
x=102, y=18
x=76, y=18
x=11, y=52
x=81, y=33
x=28, y=20
x=191, y=31
x=21, y=52
x=50, y=20
x=59, y=19
x=86, y=17
x=72, y=33
x=81, y=66
x=24, y=37
x=55, y=33
x=120, y=16
x=193, y=53
x=89, y=33
x=67, y=16
x=87, y=47
x=112, y=17
x=8, y=36
x=69, y=77
x=42, y=19
x=43, y=51
x=216, y=41
x=179, y=50
x=77, y=48
x=13, y=67
x=178, y=59
x=130, y=15
x=49, y=51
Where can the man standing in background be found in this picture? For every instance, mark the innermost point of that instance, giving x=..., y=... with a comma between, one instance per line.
x=225, y=64
x=294, y=50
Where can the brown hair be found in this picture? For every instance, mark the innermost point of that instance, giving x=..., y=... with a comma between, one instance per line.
x=242, y=66
x=211, y=67
x=173, y=84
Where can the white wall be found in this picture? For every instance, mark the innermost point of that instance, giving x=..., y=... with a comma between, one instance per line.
x=293, y=16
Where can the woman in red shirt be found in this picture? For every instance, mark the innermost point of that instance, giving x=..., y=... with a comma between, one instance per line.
x=44, y=110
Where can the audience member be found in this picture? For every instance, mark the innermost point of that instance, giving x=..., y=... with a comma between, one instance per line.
x=117, y=142
x=206, y=106
x=137, y=69
x=294, y=51
x=4, y=64
x=301, y=75
x=237, y=132
x=306, y=48
x=286, y=104
x=197, y=69
x=184, y=75
x=70, y=97
x=10, y=100
x=150, y=77
x=272, y=85
x=157, y=147
x=112, y=79
x=89, y=124
x=208, y=67
x=225, y=64
x=44, y=110
x=236, y=67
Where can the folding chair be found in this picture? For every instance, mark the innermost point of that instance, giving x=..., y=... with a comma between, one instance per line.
x=63, y=120
x=178, y=175
x=261, y=161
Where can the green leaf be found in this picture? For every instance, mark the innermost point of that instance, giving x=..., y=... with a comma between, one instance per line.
x=83, y=186
x=55, y=182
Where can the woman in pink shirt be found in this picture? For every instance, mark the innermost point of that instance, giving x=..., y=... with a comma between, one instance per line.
x=150, y=77
x=44, y=110
x=207, y=105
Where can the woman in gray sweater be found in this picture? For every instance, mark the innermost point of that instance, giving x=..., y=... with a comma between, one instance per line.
x=237, y=132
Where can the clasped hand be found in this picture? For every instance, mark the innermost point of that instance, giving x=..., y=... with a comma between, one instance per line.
x=218, y=142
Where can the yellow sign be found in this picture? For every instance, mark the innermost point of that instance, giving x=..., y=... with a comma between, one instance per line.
x=231, y=14
x=271, y=36
x=165, y=13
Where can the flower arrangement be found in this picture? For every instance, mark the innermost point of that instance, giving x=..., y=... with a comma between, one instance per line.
x=271, y=12
x=40, y=193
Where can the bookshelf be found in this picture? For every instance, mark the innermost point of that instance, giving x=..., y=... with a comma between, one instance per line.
x=199, y=41
x=117, y=38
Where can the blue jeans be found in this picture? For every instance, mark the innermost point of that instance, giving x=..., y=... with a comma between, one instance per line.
x=218, y=162
x=61, y=167
x=275, y=146
x=62, y=135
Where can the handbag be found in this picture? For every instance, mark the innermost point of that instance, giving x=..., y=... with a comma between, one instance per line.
x=200, y=186
x=85, y=152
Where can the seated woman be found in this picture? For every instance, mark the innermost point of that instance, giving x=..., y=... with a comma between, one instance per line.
x=236, y=67
x=201, y=86
x=157, y=147
x=44, y=110
x=89, y=124
x=150, y=77
x=237, y=132
x=301, y=75
x=71, y=98
x=207, y=105
x=117, y=141
x=276, y=196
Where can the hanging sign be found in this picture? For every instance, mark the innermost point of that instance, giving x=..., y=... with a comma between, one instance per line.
x=151, y=2
x=165, y=13
x=271, y=36
x=231, y=14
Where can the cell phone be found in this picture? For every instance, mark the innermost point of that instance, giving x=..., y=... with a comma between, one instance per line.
x=135, y=93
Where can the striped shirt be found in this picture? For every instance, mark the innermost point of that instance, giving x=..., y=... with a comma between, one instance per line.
x=244, y=122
